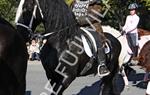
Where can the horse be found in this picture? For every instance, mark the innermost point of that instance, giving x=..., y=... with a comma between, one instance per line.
x=63, y=56
x=143, y=32
x=143, y=59
x=125, y=57
x=144, y=36
x=13, y=60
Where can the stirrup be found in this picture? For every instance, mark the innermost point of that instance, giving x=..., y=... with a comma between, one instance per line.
x=102, y=70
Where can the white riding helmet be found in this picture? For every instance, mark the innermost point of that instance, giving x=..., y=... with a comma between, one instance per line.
x=132, y=6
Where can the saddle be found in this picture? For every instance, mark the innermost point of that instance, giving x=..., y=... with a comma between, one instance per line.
x=91, y=44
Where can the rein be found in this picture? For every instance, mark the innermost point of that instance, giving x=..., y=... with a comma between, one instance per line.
x=29, y=28
x=65, y=28
x=31, y=21
x=119, y=36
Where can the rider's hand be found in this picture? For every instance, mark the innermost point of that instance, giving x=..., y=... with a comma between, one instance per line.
x=123, y=32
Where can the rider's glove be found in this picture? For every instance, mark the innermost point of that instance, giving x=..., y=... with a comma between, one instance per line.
x=123, y=32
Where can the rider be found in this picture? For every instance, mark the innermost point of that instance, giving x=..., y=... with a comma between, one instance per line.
x=80, y=9
x=130, y=28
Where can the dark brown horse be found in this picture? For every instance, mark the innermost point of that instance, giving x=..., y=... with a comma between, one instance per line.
x=13, y=60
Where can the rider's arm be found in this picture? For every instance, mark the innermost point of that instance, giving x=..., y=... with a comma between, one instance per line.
x=126, y=24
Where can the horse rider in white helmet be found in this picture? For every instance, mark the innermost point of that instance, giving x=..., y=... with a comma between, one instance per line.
x=130, y=28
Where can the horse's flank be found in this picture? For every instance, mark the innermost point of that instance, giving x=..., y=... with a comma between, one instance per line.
x=144, y=57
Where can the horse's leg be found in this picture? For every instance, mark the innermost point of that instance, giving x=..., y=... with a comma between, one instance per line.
x=107, y=87
x=22, y=85
x=66, y=84
x=18, y=65
x=106, y=90
x=117, y=88
x=148, y=89
x=146, y=76
x=110, y=86
x=49, y=61
x=123, y=74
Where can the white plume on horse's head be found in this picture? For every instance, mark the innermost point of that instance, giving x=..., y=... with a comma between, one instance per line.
x=19, y=10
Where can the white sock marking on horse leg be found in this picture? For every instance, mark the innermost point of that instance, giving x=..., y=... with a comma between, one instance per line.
x=126, y=82
x=125, y=79
x=148, y=88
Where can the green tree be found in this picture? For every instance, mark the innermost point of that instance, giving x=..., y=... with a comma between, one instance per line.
x=119, y=10
x=8, y=9
x=147, y=3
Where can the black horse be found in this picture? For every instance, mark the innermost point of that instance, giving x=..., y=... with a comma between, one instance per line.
x=63, y=56
x=13, y=60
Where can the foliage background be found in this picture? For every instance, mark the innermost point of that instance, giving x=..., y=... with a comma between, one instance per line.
x=114, y=17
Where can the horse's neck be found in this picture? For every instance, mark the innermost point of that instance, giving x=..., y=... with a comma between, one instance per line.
x=111, y=30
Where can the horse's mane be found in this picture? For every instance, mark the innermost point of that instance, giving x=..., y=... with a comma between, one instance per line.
x=60, y=19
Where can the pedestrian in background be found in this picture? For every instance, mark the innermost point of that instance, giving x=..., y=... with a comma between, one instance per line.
x=34, y=50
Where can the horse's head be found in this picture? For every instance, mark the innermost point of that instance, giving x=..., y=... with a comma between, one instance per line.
x=28, y=16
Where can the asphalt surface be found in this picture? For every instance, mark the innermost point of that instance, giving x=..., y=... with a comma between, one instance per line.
x=89, y=85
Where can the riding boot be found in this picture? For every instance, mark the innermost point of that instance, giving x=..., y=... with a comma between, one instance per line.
x=100, y=55
x=135, y=52
x=102, y=68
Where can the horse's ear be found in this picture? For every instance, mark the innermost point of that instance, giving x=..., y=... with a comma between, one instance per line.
x=19, y=10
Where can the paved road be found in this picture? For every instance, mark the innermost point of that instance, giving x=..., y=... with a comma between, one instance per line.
x=89, y=85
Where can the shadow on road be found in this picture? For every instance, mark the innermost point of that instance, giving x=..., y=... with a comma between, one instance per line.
x=142, y=85
x=94, y=89
x=28, y=93
x=135, y=79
